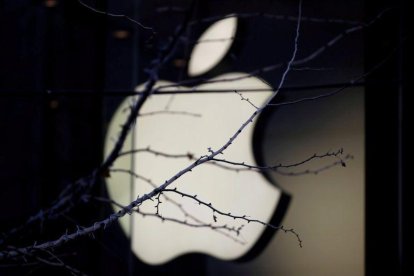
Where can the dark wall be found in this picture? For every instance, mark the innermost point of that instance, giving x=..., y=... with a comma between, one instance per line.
x=388, y=88
x=49, y=139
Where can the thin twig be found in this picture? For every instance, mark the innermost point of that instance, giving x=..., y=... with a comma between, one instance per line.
x=198, y=224
x=278, y=17
x=273, y=67
x=246, y=99
x=157, y=153
x=178, y=205
x=170, y=112
x=336, y=154
x=147, y=28
x=65, y=200
x=346, y=86
x=230, y=215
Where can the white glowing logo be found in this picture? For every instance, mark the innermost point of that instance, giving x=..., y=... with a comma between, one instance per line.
x=212, y=46
x=209, y=121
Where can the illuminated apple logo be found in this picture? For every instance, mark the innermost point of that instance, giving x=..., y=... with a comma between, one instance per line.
x=188, y=124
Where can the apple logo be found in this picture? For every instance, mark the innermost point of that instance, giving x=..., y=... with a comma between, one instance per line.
x=188, y=124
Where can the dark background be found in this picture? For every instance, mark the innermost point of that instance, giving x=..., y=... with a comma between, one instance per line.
x=64, y=69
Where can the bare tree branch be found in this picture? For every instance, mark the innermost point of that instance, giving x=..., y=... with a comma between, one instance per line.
x=147, y=28
x=278, y=17
x=170, y=112
x=273, y=67
x=240, y=217
x=117, y=149
x=64, y=202
x=336, y=154
x=198, y=223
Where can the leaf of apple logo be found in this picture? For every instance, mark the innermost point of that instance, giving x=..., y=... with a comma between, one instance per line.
x=208, y=121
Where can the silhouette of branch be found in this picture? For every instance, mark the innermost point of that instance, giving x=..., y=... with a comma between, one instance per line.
x=230, y=215
x=102, y=224
x=169, y=112
x=49, y=259
x=247, y=15
x=248, y=167
x=317, y=170
x=147, y=28
x=278, y=17
x=351, y=82
x=246, y=99
x=157, y=153
x=198, y=223
x=71, y=194
x=177, y=204
x=336, y=154
x=316, y=53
